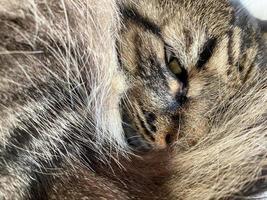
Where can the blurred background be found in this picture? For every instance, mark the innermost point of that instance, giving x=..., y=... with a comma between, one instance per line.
x=258, y=8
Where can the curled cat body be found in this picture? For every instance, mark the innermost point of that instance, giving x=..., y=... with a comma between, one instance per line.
x=59, y=100
x=184, y=80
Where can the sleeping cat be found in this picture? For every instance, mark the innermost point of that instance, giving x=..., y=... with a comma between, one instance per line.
x=191, y=79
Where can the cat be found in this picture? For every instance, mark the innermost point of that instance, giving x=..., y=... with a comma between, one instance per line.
x=187, y=77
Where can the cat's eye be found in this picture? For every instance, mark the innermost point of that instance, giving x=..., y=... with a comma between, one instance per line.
x=172, y=62
x=175, y=66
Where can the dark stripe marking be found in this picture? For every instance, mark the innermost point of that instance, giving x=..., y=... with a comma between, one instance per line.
x=249, y=70
x=58, y=99
x=206, y=53
x=150, y=119
x=147, y=132
x=230, y=47
x=132, y=14
x=188, y=39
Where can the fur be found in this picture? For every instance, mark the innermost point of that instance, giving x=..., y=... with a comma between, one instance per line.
x=59, y=100
x=226, y=114
x=61, y=86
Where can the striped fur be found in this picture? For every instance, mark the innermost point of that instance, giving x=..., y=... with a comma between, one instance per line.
x=213, y=53
x=59, y=101
x=220, y=152
x=61, y=84
x=225, y=111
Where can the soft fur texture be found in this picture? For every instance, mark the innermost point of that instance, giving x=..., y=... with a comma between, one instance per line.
x=60, y=89
x=226, y=113
x=61, y=84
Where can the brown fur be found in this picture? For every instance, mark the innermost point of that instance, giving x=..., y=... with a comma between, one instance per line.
x=134, y=178
x=225, y=113
x=220, y=148
x=54, y=83
x=185, y=26
x=225, y=164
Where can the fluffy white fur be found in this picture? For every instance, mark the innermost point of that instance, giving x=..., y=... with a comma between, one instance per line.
x=78, y=36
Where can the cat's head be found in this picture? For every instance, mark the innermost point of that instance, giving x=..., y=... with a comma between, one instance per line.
x=179, y=57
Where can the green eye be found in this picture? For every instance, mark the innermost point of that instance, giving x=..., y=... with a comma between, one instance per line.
x=175, y=66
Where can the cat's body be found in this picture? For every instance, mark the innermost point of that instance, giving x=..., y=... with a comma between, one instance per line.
x=58, y=100
x=61, y=86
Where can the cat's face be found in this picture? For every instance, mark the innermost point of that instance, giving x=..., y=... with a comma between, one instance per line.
x=176, y=55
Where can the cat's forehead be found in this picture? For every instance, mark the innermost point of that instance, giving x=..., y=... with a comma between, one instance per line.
x=213, y=15
x=184, y=26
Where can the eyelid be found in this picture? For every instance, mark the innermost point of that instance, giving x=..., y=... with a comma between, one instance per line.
x=168, y=54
